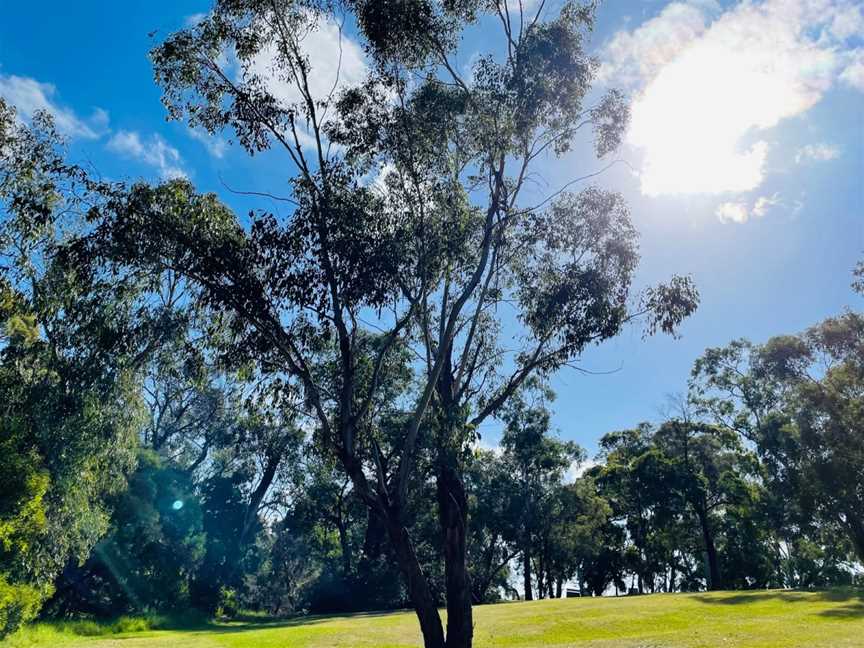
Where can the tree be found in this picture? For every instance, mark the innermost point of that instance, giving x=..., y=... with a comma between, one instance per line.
x=824, y=370
x=708, y=469
x=67, y=413
x=794, y=398
x=452, y=237
x=495, y=524
x=149, y=556
x=537, y=462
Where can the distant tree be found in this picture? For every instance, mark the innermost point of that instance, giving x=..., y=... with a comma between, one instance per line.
x=707, y=468
x=493, y=541
x=149, y=556
x=627, y=478
x=573, y=532
x=823, y=369
x=795, y=399
x=537, y=460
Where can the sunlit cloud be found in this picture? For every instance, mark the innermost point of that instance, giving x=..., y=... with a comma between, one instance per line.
x=153, y=151
x=853, y=74
x=329, y=74
x=740, y=211
x=732, y=212
x=708, y=92
x=816, y=153
x=765, y=203
x=30, y=96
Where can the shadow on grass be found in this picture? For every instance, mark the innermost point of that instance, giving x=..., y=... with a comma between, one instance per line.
x=853, y=599
x=245, y=623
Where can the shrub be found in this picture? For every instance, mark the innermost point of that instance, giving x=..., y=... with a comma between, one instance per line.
x=19, y=604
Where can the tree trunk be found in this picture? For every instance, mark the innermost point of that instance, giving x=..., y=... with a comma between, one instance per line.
x=710, y=551
x=418, y=587
x=274, y=457
x=541, y=583
x=672, y=576
x=453, y=516
x=559, y=588
x=526, y=574
x=345, y=547
x=856, y=534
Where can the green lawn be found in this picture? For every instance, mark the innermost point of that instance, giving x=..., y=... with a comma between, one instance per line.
x=777, y=619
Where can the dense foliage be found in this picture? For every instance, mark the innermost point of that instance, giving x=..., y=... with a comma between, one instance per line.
x=282, y=412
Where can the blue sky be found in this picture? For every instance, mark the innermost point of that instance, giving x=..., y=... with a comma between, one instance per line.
x=745, y=159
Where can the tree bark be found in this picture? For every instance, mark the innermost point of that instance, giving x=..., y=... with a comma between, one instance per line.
x=418, y=587
x=453, y=516
x=710, y=551
x=526, y=573
x=855, y=528
x=345, y=547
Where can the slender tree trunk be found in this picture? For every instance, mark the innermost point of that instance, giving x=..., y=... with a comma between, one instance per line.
x=855, y=527
x=710, y=550
x=559, y=588
x=345, y=547
x=526, y=573
x=453, y=516
x=541, y=583
x=274, y=458
x=418, y=587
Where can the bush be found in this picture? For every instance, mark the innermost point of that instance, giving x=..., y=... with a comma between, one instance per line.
x=229, y=604
x=18, y=604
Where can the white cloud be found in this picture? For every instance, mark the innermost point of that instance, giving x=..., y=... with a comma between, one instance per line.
x=30, y=96
x=630, y=57
x=732, y=212
x=216, y=146
x=764, y=204
x=709, y=91
x=336, y=63
x=738, y=211
x=847, y=21
x=194, y=19
x=816, y=153
x=155, y=152
x=853, y=74
x=577, y=469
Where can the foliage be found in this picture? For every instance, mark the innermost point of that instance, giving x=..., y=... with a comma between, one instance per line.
x=147, y=559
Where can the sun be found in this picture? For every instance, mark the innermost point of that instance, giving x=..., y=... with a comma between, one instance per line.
x=702, y=122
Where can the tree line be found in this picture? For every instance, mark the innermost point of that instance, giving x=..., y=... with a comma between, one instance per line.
x=281, y=411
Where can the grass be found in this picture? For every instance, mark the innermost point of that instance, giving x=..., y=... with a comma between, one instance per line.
x=763, y=619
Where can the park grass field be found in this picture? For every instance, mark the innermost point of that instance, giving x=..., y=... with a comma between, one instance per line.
x=762, y=619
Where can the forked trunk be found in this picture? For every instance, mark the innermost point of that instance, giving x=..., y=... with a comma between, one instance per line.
x=453, y=516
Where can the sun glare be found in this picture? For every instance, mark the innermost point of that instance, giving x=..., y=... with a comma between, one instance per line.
x=701, y=121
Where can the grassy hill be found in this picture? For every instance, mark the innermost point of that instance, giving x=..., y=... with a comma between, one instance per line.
x=775, y=619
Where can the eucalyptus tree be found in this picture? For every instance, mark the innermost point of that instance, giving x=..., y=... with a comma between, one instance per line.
x=707, y=468
x=824, y=371
x=68, y=413
x=796, y=398
x=537, y=460
x=444, y=240
x=494, y=534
